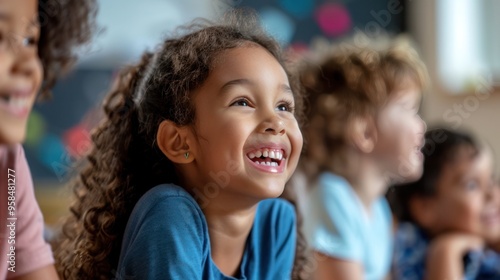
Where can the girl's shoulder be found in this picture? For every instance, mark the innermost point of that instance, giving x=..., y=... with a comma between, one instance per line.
x=167, y=190
x=167, y=197
x=334, y=195
x=277, y=214
x=273, y=236
x=328, y=179
x=165, y=219
x=331, y=187
x=276, y=207
x=15, y=168
x=168, y=200
x=11, y=153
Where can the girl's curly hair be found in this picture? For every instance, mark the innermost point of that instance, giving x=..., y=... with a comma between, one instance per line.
x=125, y=161
x=64, y=26
x=348, y=81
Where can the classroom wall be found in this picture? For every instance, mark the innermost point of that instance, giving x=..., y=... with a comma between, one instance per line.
x=477, y=113
x=59, y=130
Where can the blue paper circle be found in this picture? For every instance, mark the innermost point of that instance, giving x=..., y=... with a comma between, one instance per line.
x=51, y=150
x=278, y=24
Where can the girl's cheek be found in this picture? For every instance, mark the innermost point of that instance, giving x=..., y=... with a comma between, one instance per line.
x=476, y=206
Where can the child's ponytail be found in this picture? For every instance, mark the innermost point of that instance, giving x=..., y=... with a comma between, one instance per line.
x=107, y=189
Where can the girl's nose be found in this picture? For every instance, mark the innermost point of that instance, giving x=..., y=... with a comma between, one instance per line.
x=273, y=125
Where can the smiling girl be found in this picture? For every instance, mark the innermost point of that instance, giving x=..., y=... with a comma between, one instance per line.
x=37, y=40
x=200, y=138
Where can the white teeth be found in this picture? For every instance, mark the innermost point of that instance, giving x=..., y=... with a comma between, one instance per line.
x=274, y=154
x=267, y=163
x=271, y=154
x=17, y=102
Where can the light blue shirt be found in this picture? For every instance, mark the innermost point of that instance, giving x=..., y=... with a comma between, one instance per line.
x=339, y=226
x=167, y=238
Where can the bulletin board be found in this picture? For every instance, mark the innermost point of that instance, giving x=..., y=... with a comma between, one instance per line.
x=59, y=130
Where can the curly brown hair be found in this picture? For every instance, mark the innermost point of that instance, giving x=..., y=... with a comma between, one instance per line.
x=125, y=160
x=64, y=26
x=345, y=82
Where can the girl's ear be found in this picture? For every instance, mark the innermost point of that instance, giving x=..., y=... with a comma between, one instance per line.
x=363, y=134
x=173, y=141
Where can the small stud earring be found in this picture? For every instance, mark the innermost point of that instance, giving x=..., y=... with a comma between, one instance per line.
x=186, y=155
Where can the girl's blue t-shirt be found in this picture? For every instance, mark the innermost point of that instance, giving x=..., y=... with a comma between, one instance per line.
x=167, y=238
x=339, y=226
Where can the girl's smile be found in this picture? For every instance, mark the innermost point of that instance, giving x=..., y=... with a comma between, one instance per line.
x=269, y=158
x=17, y=100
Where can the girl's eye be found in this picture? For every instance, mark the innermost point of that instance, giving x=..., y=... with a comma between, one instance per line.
x=471, y=185
x=286, y=106
x=30, y=41
x=283, y=108
x=241, y=102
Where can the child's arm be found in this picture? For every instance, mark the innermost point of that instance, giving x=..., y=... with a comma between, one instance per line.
x=336, y=269
x=445, y=255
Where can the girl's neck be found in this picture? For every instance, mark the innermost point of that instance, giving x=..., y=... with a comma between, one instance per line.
x=367, y=180
x=229, y=220
x=229, y=224
x=229, y=217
